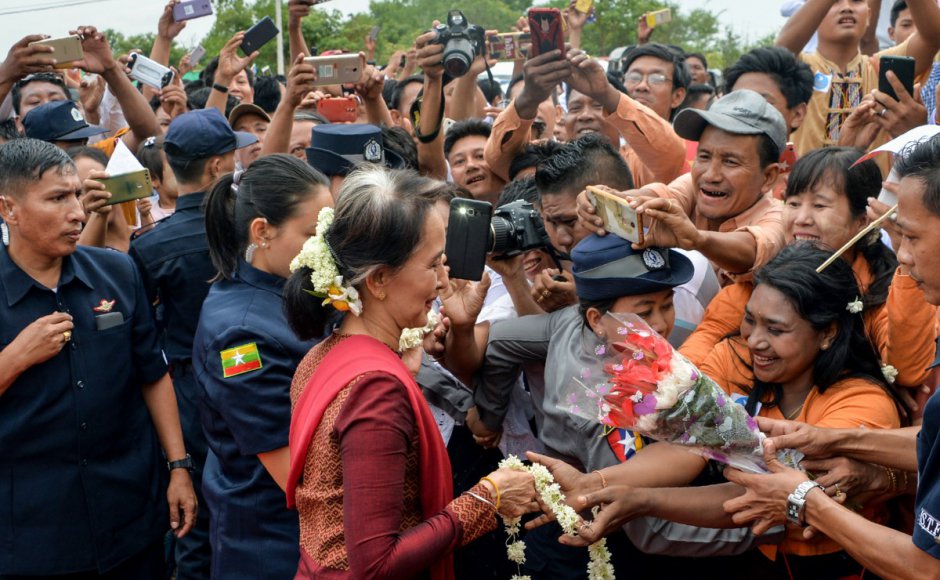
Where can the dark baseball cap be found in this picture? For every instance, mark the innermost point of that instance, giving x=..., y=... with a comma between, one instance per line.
x=336, y=149
x=202, y=134
x=59, y=121
x=742, y=112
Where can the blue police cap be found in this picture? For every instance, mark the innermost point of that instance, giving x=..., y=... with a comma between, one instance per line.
x=59, y=121
x=336, y=149
x=608, y=267
x=202, y=134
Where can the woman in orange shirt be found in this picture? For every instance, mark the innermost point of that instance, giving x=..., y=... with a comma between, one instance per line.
x=826, y=201
x=802, y=354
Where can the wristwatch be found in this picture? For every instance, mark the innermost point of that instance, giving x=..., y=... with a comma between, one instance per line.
x=184, y=463
x=796, y=503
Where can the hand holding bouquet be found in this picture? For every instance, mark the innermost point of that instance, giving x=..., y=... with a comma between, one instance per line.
x=646, y=386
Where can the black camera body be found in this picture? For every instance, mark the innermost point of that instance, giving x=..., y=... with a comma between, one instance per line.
x=517, y=227
x=462, y=43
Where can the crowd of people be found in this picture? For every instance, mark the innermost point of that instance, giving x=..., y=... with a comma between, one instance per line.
x=265, y=370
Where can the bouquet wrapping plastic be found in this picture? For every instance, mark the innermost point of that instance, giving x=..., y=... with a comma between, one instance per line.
x=641, y=383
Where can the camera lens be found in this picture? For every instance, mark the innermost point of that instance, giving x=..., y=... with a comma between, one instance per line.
x=458, y=54
x=502, y=235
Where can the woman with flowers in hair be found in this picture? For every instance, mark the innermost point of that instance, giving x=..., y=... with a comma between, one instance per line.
x=369, y=472
x=244, y=357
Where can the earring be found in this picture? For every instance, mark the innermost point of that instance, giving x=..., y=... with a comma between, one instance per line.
x=250, y=251
x=825, y=346
x=380, y=295
x=5, y=234
x=264, y=245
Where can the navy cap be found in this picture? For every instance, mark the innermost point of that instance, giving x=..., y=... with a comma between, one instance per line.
x=201, y=134
x=336, y=149
x=608, y=267
x=59, y=121
x=742, y=112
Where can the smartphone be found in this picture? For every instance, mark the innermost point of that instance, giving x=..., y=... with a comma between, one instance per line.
x=509, y=45
x=584, y=6
x=258, y=35
x=619, y=218
x=196, y=56
x=128, y=186
x=149, y=72
x=67, y=50
x=374, y=33
x=190, y=9
x=654, y=19
x=545, y=26
x=337, y=69
x=339, y=109
x=903, y=67
x=469, y=238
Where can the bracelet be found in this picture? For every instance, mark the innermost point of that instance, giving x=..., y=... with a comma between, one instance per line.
x=603, y=479
x=220, y=88
x=496, y=487
x=892, y=477
x=480, y=498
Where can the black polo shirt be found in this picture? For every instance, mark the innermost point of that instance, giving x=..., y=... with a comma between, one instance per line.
x=176, y=268
x=82, y=479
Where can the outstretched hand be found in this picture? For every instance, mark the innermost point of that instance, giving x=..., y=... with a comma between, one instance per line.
x=573, y=484
x=764, y=504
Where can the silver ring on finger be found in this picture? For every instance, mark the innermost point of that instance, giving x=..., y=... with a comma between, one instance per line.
x=883, y=112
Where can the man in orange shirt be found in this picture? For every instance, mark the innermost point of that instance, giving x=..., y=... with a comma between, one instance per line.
x=655, y=152
x=724, y=208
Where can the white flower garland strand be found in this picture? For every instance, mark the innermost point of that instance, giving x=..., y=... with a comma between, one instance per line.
x=855, y=306
x=325, y=276
x=599, y=568
x=413, y=337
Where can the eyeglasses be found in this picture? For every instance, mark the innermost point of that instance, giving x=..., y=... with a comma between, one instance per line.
x=653, y=79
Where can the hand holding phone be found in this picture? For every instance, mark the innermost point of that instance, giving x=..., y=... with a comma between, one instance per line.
x=66, y=50
x=903, y=68
x=337, y=69
x=546, y=30
x=189, y=9
x=469, y=238
x=128, y=186
x=619, y=218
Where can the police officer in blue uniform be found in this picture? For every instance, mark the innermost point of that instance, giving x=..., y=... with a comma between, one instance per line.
x=244, y=358
x=174, y=262
x=85, y=400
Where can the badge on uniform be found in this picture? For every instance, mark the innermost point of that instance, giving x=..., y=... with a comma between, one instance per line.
x=105, y=305
x=239, y=360
x=822, y=82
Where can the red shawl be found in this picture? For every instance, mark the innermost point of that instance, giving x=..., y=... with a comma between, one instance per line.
x=347, y=360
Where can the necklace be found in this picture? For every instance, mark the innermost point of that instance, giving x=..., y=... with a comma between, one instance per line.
x=795, y=413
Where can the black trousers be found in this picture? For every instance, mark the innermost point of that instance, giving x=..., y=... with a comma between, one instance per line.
x=149, y=564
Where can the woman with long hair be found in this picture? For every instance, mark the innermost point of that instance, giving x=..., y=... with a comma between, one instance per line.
x=244, y=357
x=369, y=471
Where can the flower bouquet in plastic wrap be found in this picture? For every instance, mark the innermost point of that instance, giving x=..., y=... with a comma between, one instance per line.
x=641, y=383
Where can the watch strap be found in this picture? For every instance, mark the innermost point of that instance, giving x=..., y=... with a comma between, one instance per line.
x=796, y=502
x=184, y=463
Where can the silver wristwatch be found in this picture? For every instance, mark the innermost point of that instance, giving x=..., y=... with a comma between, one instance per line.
x=796, y=503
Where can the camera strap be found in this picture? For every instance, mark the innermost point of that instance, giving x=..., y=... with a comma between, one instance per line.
x=416, y=118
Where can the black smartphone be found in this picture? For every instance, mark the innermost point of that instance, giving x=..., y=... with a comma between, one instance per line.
x=903, y=67
x=258, y=35
x=469, y=238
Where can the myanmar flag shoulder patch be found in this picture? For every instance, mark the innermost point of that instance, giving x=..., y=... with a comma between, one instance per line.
x=239, y=360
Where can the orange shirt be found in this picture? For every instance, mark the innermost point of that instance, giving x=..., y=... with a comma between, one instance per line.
x=763, y=220
x=903, y=329
x=848, y=404
x=655, y=152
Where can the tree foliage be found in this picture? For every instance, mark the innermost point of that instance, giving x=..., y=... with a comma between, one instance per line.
x=401, y=21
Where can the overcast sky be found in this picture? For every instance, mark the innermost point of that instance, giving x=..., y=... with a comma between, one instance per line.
x=752, y=20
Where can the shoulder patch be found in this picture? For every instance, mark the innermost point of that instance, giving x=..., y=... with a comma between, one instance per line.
x=240, y=359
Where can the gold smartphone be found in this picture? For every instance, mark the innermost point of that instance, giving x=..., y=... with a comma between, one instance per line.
x=339, y=69
x=584, y=6
x=509, y=45
x=67, y=50
x=619, y=218
x=128, y=186
x=658, y=17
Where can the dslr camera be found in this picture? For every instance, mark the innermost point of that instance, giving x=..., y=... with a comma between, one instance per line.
x=517, y=227
x=462, y=42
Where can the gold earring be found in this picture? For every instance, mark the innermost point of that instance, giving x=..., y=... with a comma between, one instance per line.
x=380, y=295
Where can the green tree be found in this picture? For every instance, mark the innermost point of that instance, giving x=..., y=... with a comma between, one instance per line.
x=121, y=44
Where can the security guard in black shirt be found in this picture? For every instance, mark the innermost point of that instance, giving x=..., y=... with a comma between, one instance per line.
x=85, y=399
x=176, y=269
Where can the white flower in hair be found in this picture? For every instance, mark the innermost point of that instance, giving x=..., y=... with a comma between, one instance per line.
x=890, y=373
x=325, y=277
x=855, y=306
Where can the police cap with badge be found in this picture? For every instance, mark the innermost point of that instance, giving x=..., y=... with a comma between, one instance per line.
x=336, y=149
x=607, y=267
